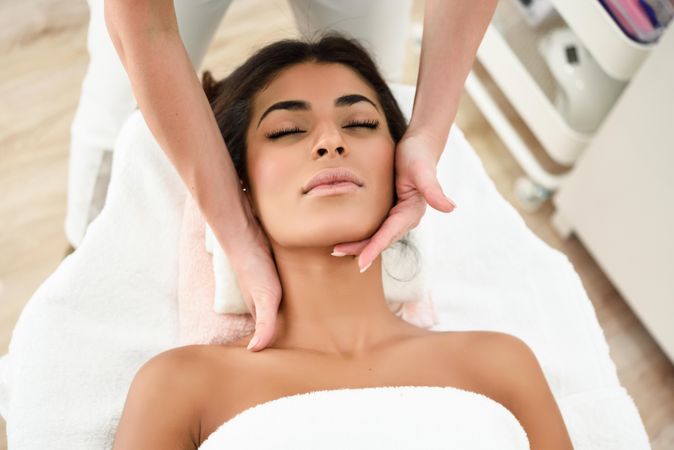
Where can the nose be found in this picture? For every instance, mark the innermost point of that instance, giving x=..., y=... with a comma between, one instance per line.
x=329, y=144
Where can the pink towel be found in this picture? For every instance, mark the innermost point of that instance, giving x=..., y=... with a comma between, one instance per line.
x=198, y=321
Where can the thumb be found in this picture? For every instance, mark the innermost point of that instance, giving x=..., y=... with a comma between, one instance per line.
x=432, y=192
x=265, y=324
x=437, y=199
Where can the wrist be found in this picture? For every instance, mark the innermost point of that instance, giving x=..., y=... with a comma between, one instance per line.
x=229, y=217
x=433, y=121
x=432, y=141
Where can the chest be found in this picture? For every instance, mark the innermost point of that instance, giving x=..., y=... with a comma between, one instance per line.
x=271, y=378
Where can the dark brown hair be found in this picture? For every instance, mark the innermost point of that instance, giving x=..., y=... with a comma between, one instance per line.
x=231, y=98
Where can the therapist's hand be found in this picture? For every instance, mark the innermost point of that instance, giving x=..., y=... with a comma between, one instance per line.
x=251, y=258
x=417, y=185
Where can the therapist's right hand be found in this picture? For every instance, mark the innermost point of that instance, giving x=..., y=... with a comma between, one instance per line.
x=251, y=258
x=146, y=38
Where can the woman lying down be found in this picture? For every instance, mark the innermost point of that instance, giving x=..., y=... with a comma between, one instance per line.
x=312, y=129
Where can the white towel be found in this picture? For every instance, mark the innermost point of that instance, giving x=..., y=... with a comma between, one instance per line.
x=4, y=386
x=381, y=418
x=403, y=274
x=106, y=309
x=111, y=305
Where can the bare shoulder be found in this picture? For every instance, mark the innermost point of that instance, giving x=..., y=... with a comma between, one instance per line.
x=498, y=358
x=500, y=349
x=510, y=373
x=182, y=368
x=178, y=354
x=162, y=405
x=498, y=362
x=478, y=345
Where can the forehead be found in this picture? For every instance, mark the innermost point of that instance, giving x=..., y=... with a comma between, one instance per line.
x=316, y=83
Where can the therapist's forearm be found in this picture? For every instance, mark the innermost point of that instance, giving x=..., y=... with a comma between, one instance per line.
x=170, y=96
x=453, y=30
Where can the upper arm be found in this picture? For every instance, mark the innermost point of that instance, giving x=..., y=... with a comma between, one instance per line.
x=161, y=409
x=524, y=390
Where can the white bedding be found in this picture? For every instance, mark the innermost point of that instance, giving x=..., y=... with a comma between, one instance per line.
x=111, y=305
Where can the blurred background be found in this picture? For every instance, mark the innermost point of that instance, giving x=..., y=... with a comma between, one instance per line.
x=567, y=107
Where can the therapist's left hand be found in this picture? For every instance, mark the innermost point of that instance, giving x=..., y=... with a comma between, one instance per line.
x=416, y=185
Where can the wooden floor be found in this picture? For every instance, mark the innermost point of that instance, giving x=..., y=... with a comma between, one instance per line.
x=39, y=86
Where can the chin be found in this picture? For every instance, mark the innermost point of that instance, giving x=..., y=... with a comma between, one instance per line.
x=326, y=222
x=327, y=232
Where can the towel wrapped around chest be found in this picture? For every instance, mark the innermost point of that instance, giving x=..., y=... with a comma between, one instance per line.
x=390, y=417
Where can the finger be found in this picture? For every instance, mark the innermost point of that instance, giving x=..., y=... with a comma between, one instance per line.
x=350, y=248
x=427, y=183
x=437, y=199
x=390, y=231
x=265, y=324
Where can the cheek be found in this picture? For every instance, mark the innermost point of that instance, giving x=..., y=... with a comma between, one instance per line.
x=383, y=163
x=378, y=163
x=271, y=179
x=268, y=173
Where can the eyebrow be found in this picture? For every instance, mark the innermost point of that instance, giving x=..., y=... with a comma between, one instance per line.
x=301, y=105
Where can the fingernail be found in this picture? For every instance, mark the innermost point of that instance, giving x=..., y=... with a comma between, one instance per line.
x=336, y=253
x=453, y=204
x=253, y=342
x=366, y=267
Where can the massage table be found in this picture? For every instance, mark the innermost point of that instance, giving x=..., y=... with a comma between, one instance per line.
x=112, y=304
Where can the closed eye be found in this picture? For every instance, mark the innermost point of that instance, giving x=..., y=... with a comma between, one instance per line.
x=280, y=133
x=372, y=124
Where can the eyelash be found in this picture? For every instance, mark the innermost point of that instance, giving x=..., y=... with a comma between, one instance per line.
x=373, y=124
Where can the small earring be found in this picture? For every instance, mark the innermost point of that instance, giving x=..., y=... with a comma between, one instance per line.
x=244, y=189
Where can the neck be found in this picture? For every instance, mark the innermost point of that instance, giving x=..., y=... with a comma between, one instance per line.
x=328, y=306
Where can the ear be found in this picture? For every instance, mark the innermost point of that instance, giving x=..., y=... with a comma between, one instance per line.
x=249, y=197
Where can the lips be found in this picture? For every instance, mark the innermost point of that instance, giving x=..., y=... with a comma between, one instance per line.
x=333, y=175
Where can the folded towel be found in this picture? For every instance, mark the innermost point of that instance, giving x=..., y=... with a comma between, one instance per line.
x=386, y=418
x=107, y=308
x=203, y=278
x=198, y=322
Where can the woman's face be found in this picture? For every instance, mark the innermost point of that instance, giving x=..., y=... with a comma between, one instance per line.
x=326, y=105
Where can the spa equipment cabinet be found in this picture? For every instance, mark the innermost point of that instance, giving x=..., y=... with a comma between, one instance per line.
x=510, y=55
x=619, y=196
